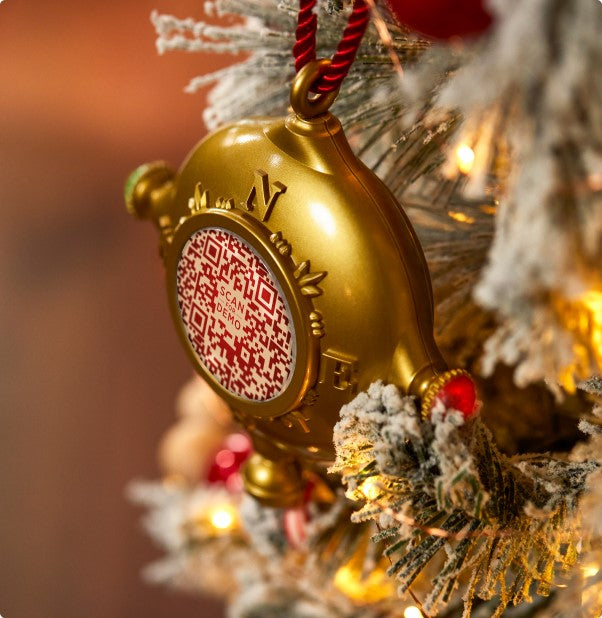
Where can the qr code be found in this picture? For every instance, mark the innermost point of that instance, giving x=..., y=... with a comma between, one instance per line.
x=235, y=315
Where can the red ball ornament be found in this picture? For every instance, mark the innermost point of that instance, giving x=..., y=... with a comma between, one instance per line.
x=442, y=19
x=460, y=394
x=228, y=461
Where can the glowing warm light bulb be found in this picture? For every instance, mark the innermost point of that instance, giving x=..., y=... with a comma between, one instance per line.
x=464, y=158
x=222, y=518
x=460, y=216
x=345, y=581
x=370, y=489
x=589, y=570
x=583, y=317
x=412, y=612
x=372, y=589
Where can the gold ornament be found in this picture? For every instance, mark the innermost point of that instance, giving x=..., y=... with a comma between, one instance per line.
x=294, y=278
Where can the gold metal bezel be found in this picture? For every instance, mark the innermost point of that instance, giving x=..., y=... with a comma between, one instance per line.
x=258, y=237
x=436, y=384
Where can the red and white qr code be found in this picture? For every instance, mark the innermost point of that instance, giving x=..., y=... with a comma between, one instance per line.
x=235, y=315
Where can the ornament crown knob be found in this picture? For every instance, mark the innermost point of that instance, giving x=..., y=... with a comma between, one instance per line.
x=149, y=193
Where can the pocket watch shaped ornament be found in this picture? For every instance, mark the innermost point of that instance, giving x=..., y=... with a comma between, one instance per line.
x=295, y=280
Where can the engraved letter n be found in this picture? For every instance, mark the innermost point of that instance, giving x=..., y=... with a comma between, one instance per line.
x=264, y=194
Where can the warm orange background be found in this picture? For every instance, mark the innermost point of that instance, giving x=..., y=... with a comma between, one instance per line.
x=90, y=364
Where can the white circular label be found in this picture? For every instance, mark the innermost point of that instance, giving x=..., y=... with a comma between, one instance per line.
x=235, y=315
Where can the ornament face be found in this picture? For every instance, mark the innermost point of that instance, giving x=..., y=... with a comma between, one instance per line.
x=235, y=315
x=238, y=307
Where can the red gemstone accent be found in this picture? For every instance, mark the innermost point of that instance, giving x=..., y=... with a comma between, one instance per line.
x=460, y=394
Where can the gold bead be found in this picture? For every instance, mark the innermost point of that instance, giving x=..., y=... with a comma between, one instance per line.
x=273, y=483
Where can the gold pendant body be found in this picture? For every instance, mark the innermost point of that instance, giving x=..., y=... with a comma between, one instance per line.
x=341, y=253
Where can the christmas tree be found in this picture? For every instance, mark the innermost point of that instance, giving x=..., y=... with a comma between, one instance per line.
x=487, y=128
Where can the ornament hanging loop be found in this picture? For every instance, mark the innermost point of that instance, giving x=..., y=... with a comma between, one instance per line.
x=304, y=103
x=304, y=49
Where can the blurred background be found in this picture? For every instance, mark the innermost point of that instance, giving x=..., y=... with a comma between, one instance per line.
x=90, y=364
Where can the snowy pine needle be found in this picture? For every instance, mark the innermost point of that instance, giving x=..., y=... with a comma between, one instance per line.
x=444, y=488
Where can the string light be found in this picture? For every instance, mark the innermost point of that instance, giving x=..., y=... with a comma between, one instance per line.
x=222, y=518
x=370, y=489
x=589, y=570
x=583, y=317
x=372, y=588
x=460, y=216
x=464, y=158
x=412, y=612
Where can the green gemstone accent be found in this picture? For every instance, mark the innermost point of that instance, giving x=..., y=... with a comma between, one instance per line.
x=130, y=185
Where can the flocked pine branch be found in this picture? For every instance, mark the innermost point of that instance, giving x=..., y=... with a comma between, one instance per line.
x=251, y=563
x=584, y=590
x=535, y=82
x=440, y=487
